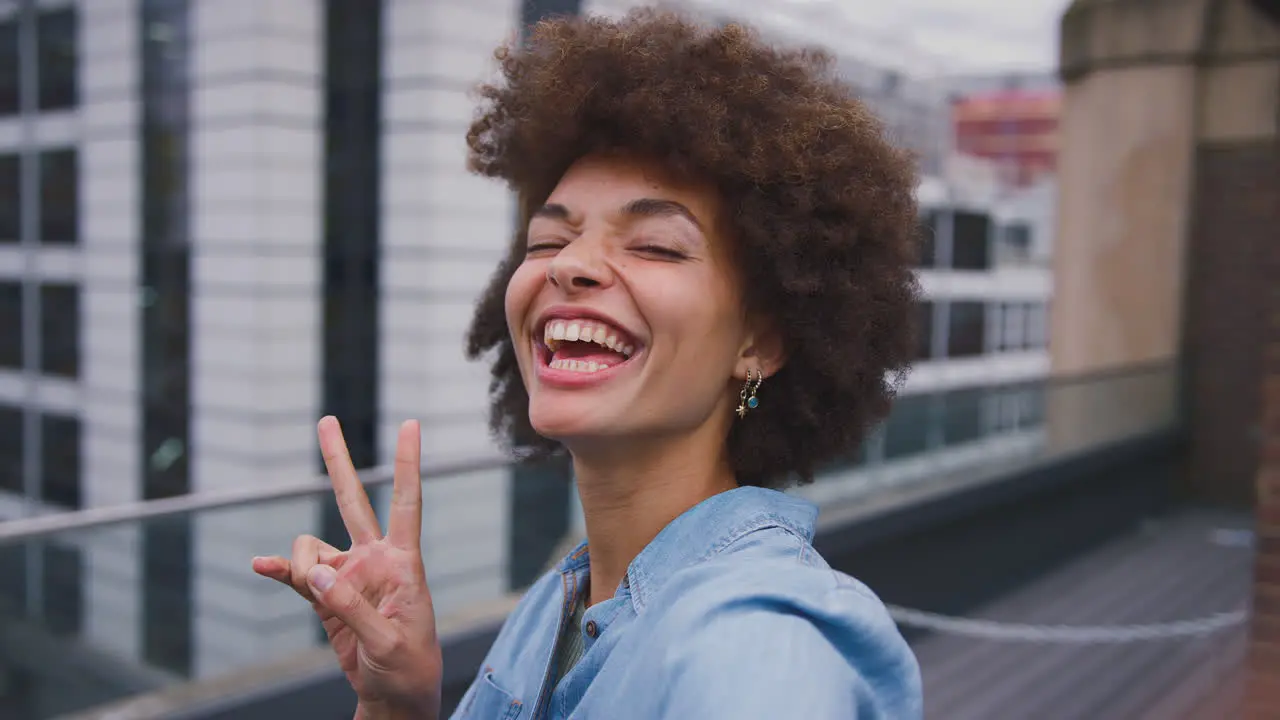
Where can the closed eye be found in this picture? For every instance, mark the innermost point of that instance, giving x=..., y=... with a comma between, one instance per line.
x=664, y=252
x=543, y=247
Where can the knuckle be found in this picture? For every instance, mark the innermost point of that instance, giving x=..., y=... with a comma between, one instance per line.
x=395, y=646
x=302, y=543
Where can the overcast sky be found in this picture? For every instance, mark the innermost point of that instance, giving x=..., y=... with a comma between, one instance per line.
x=979, y=35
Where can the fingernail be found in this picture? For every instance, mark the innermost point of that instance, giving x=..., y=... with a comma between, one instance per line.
x=321, y=577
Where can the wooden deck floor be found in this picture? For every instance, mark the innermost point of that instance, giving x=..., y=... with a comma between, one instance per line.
x=1180, y=568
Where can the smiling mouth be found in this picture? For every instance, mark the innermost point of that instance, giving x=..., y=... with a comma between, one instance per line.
x=584, y=346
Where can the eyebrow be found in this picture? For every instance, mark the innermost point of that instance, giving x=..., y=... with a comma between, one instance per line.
x=638, y=208
x=552, y=211
x=654, y=207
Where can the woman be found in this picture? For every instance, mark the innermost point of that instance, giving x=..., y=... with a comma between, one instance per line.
x=710, y=296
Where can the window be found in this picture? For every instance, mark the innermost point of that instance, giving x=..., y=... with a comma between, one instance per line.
x=13, y=591
x=164, y=140
x=1006, y=417
x=12, y=449
x=351, y=244
x=9, y=73
x=1033, y=402
x=59, y=196
x=890, y=82
x=10, y=208
x=1021, y=406
x=1015, y=244
x=966, y=329
x=56, y=55
x=60, y=460
x=60, y=330
x=63, y=590
x=928, y=240
x=963, y=417
x=970, y=241
x=11, y=325
x=1018, y=236
x=56, y=62
x=531, y=11
x=542, y=492
x=1037, y=332
x=906, y=432
x=165, y=251
x=862, y=456
x=1013, y=325
x=924, y=330
x=167, y=599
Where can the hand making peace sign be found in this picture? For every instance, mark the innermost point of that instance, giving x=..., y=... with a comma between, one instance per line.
x=372, y=598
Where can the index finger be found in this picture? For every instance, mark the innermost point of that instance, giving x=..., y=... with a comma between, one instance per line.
x=404, y=522
x=353, y=503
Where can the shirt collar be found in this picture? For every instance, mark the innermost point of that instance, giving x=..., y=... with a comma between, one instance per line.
x=704, y=530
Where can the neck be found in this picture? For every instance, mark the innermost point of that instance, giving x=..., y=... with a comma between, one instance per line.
x=628, y=498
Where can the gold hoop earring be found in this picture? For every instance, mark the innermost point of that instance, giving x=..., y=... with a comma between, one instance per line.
x=747, y=398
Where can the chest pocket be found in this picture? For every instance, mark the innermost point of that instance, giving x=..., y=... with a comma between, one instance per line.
x=487, y=701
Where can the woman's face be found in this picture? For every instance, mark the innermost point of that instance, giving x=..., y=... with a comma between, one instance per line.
x=626, y=314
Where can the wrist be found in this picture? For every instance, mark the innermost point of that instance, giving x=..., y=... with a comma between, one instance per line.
x=382, y=710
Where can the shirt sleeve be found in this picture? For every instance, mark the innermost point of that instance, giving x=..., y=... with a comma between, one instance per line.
x=761, y=659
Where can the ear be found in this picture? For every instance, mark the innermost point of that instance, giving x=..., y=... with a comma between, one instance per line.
x=762, y=350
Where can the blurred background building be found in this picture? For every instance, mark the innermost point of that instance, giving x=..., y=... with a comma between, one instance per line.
x=222, y=219
x=1016, y=129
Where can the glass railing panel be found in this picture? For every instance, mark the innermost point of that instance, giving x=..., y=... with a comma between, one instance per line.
x=1090, y=412
x=933, y=441
x=124, y=608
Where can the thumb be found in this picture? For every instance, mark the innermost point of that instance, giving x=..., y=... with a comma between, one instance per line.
x=375, y=632
x=321, y=578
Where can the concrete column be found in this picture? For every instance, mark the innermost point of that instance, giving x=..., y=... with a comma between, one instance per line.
x=1168, y=132
x=256, y=172
x=443, y=232
x=1167, y=249
x=109, y=75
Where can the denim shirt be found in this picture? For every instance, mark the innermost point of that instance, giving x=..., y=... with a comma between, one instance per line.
x=728, y=613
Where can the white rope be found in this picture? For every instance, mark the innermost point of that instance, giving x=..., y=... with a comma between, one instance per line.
x=1098, y=634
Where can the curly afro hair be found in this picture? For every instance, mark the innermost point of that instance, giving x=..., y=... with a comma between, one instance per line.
x=819, y=205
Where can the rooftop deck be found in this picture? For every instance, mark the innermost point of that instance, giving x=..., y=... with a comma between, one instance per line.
x=1189, y=565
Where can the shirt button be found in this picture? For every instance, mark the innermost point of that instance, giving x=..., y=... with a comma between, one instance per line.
x=592, y=629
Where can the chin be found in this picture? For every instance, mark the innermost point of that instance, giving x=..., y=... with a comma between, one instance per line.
x=564, y=419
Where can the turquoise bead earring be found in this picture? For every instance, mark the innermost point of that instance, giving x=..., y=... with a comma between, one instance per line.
x=747, y=398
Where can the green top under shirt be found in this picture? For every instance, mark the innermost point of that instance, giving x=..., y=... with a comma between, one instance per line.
x=570, y=645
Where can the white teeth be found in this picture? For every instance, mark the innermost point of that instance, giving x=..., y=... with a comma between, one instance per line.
x=557, y=331
x=578, y=366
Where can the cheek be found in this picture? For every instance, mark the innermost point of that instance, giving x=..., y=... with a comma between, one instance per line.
x=521, y=291
x=704, y=315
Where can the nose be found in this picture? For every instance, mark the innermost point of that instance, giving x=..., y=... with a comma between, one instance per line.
x=579, y=266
